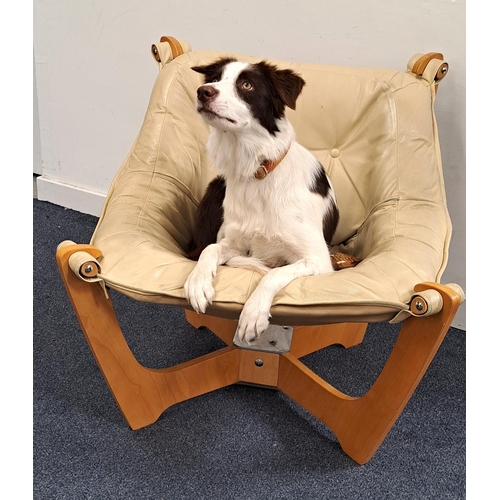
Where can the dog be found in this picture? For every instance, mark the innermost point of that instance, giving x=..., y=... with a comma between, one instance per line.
x=272, y=207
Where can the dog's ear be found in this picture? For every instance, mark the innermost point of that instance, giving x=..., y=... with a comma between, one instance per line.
x=213, y=71
x=201, y=69
x=288, y=85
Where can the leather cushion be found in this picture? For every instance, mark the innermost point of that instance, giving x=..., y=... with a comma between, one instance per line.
x=374, y=131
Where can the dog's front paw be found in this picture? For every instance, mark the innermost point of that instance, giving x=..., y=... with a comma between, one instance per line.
x=254, y=320
x=199, y=290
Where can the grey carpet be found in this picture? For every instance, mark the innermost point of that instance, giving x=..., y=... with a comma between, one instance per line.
x=235, y=443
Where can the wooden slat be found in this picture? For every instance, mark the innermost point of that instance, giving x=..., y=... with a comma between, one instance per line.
x=141, y=393
x=361, y=424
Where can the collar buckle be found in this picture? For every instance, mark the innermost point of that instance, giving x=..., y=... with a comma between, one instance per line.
x=267, y=166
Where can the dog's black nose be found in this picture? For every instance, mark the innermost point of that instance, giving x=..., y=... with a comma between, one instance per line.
x=206, y=93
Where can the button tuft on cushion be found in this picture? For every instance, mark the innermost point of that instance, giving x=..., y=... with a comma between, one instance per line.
x=334, y=153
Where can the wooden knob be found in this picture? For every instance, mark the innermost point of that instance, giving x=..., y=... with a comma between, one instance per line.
x=441, y=73
x=418, y=306
x=89, y=270
x=84, y=265
x=426, y=303
x=421, y=64
x=156, y=53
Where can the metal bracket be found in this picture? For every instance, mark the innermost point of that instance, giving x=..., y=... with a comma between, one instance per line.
x=276, y=339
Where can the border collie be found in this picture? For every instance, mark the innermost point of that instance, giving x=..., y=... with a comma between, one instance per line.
x=272, y=207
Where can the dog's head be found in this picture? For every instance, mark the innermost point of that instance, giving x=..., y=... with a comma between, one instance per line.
x=236, y=94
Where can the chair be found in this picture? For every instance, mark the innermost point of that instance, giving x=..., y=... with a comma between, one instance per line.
x=375, y=132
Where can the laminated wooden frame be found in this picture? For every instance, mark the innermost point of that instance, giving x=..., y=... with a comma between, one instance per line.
x=359, y=423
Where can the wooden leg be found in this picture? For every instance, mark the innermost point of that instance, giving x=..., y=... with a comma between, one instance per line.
x=361, y=424
x=223, y=328
x=259, y=368
x=307, y=339
x=141, y=393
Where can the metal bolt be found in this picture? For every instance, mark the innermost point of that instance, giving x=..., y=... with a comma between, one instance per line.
x=419, y=306
x=259, y=362
x=88, y=268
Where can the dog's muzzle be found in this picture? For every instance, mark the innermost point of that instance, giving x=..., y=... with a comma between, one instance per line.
x=207, y=93
x=206, y=97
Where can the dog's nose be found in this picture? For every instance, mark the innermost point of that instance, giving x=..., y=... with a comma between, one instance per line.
x=206, y=93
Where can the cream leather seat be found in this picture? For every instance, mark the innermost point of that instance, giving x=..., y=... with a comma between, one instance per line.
x=375, y=132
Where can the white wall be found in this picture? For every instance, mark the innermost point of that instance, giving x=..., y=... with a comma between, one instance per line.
x=94, y=74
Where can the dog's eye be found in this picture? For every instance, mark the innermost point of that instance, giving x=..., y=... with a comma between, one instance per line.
x=214, y=80
x=246, y=86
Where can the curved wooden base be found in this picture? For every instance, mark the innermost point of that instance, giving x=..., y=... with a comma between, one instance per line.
x=360, y=424
x=142, y=393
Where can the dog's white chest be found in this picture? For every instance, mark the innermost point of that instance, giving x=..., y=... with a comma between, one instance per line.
x=254, y=213
x=268, y=223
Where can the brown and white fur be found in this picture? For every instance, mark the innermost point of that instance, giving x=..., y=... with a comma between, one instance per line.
x=280, y=225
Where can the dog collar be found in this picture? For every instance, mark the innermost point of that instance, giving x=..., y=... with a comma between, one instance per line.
x=267, y=166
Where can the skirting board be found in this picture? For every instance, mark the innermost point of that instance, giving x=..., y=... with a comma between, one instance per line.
x=70, y=196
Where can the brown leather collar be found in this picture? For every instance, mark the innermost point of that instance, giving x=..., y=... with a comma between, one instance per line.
x=267, y=166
